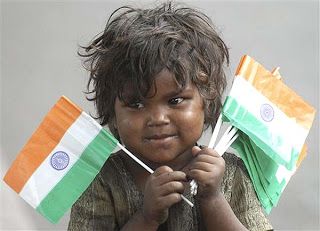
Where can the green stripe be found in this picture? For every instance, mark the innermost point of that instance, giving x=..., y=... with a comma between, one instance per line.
x=242, y=149
x=258, y=132
x=78, y=178
x=264, y=167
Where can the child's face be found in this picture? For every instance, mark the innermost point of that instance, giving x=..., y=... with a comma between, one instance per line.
x=163, y=128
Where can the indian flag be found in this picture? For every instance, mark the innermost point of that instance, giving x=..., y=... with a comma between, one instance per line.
x=60, y=160
x=270, y=113
x=273, y=124
x=268, y=177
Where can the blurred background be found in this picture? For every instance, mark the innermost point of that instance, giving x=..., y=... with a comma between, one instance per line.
x=39, y=63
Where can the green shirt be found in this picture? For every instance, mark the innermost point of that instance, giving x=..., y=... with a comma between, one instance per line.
x=112, y=199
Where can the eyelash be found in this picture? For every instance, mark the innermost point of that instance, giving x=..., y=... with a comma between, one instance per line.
x=136, y=105
x=172, y=101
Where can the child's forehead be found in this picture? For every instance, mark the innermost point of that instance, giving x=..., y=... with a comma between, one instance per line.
x=165, y=83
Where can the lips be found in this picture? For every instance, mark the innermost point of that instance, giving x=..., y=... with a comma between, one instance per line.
x=159, y=136
x=160, y=139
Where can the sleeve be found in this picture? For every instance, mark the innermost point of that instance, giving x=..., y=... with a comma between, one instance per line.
x=94, y=210
x=245, y=203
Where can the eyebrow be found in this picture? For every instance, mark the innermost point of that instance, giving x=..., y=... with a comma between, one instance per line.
x=130, y=96
x=179, y=91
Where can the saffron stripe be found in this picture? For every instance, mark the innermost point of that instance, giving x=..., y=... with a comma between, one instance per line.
x=73, y=184
x=286, y=99
x=42, y=142
x=72, y=144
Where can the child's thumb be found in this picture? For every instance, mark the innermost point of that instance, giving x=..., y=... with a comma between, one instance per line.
x=195, y=150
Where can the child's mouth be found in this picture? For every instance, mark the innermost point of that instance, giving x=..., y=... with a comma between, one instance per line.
x=161, y=139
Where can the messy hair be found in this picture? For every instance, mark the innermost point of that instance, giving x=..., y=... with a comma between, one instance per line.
x=137, y=44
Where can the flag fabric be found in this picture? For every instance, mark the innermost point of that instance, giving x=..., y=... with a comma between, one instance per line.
x=273, y=122
x=268, y=177
x=269, y=112
x=60, y=160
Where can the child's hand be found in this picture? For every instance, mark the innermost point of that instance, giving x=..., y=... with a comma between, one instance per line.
x=207, y=169
x=162, y=190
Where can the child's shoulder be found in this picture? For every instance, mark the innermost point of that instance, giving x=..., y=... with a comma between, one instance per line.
x=233, y=162
x=239, y=192
x=114, y=160
x=234, y=166
x=234, y=170
x=113, y=169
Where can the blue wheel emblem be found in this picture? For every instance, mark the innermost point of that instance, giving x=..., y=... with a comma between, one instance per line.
x=266, y=112
x=59, y=160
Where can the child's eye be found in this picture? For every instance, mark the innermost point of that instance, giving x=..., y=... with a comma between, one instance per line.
x=136, y=105
x=176, y=100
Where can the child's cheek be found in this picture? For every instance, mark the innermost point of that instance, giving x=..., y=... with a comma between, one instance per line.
x=193, y=121
x=127, y=128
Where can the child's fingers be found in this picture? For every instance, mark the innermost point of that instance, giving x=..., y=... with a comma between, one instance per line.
x=164, y=175
x=169, y=200
x=171, y=176
x=203, y=166
x=206, y=162
x=171, y=187
x=200, y=175
x=161, y=170
x=196, y=151
x=207, y=169
x=206, y=158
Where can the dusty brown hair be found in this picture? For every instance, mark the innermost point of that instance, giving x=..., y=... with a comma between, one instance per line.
x=138, y=43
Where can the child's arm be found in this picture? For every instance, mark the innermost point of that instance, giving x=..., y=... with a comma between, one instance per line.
x=163, y=189
x=208, y=170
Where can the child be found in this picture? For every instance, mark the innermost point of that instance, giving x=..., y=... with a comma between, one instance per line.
x=157, y=79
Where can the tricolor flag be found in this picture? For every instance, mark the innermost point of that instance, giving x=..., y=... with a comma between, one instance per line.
x=60, y=160
x=273, y=122
x=269, y=112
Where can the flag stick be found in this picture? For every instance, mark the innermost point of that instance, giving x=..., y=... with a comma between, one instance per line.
x=215, y=132
x=225, y=141
x=135, y=158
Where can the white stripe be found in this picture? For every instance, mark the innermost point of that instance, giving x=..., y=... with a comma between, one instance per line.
x=284, y=174
x=73, y=142
x=281, y=126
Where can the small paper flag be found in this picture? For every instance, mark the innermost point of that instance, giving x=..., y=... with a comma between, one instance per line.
x=273, y=122
x=269, y=112
x=60, y=160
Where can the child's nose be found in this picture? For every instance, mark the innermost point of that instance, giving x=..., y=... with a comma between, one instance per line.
x=158, y=116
